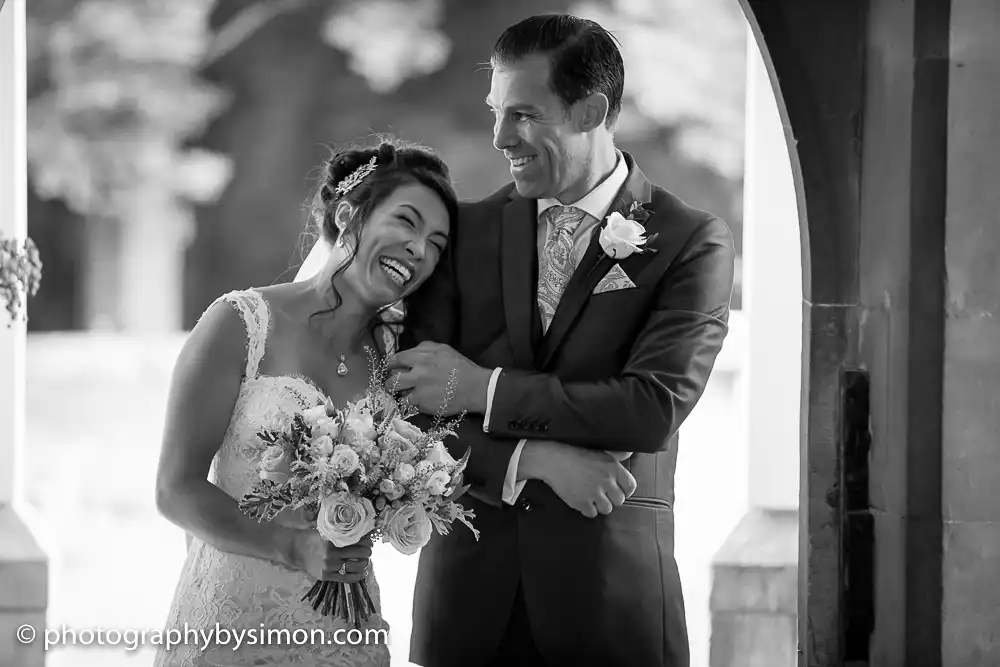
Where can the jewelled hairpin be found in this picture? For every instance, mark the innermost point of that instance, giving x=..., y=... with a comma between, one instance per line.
x=356, y=177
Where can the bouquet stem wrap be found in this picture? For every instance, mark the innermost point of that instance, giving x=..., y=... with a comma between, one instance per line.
x=350, y=602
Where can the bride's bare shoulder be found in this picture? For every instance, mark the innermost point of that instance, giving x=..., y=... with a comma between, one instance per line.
x=218, y=340
x=283, y=299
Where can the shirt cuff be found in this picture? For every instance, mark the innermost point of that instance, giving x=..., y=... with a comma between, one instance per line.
x=492, y=387
x=511, y=486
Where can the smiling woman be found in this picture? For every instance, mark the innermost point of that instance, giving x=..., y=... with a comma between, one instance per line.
x=261, y=355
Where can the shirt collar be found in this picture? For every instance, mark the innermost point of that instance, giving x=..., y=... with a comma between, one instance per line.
x=596, y=202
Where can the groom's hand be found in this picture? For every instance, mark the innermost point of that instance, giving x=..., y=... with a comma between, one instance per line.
x=422, y=374
x=590, y=481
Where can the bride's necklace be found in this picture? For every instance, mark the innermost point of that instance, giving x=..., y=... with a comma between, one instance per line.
x=342, y=369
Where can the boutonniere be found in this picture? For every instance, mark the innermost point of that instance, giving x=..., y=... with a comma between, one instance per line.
x=621, y=237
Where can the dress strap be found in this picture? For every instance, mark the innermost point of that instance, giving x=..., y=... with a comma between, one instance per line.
x=252, y=307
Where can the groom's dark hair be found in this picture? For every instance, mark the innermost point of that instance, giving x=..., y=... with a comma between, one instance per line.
x=583, y=56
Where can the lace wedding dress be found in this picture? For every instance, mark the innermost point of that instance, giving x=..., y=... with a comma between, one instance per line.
x=232, y=592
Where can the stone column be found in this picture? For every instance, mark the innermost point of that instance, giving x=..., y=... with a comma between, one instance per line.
x=134, y=280
x=754, y=589
x=23, y=565
x=970, y=420
x=150, y=263
x=930, y=332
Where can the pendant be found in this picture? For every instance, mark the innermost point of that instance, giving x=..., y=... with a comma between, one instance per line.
x=342, y=368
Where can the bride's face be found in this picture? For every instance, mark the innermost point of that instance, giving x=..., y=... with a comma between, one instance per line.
x=401, y=244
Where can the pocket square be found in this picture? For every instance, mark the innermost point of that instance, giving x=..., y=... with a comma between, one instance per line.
x=615, y=279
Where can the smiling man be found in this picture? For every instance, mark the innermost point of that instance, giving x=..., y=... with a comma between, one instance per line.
x=588, y=307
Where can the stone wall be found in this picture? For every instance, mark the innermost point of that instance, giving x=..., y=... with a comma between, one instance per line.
x=970, y=615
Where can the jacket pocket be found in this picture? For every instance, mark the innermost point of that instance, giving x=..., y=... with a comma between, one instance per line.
x=652, y=503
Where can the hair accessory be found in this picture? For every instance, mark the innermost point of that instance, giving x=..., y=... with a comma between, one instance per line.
x=355, y=177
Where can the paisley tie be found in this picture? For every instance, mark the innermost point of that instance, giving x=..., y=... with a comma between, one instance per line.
x=556, y=265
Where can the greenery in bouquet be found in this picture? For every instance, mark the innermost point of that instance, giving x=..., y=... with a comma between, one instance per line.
x=362, y=470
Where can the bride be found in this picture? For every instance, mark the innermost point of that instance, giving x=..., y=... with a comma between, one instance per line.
x=255, y=358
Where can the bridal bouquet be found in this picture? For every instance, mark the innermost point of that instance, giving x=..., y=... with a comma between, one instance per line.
x=361, y=470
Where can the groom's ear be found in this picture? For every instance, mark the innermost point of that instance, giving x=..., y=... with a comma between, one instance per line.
x=594, y=111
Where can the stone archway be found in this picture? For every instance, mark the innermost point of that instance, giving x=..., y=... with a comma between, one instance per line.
x=886, y=106
x=814, y=53
x=820, y=100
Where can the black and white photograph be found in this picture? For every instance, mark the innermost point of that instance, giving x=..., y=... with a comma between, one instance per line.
x=441, y=333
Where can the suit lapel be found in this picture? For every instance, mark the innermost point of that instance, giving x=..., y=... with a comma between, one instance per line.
x=519, y=271
x=592, y=267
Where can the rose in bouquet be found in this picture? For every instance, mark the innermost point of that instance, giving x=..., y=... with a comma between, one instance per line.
x=361, y=470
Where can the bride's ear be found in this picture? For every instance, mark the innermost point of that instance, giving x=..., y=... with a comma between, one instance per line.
x=342, y=218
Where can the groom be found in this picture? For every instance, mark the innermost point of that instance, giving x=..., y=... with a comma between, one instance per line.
x=590, y=308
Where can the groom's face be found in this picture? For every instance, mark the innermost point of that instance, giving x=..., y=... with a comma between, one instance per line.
x=537, y=133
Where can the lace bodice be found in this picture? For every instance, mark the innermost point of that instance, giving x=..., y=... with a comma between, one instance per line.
x=243, y=592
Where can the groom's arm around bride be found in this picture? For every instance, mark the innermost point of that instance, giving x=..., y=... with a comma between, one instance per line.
x=639, y=407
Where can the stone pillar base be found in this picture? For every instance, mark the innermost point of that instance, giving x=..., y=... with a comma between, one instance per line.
x=24, y=572
x=754, y=597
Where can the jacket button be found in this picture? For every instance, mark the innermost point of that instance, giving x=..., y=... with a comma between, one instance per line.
x=525, y=504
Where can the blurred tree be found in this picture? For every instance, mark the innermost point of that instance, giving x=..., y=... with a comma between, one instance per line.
x=117, y=90
x=121, y=93
x=113, y=94
x=686, y=68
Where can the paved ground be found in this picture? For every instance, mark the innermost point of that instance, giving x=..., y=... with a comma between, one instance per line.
x=95, y=410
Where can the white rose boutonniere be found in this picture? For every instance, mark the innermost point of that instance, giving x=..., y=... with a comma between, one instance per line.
x=622, y=237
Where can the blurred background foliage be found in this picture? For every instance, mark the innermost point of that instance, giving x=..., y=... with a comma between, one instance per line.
x=209, y=117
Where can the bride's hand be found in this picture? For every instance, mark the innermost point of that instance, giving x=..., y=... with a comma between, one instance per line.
x=322, y=560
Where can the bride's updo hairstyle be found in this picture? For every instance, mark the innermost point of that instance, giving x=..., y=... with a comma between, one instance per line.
x=397, y=163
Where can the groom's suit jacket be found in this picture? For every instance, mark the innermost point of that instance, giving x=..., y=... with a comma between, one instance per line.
x=618, y=370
